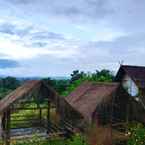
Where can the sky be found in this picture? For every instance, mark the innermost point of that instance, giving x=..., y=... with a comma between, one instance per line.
x=53, y=38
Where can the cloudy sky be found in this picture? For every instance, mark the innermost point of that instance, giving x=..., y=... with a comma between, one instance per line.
x=55, y=37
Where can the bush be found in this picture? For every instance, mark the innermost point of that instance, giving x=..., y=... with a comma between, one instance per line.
x=77, y=140
x=137, y=135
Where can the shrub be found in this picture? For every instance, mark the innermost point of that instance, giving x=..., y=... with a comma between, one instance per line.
x=137, y=137
x=77, y=140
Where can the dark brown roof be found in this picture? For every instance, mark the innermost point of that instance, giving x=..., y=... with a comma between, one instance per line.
x=88, y=96
x=137, y=73
x=25, y=90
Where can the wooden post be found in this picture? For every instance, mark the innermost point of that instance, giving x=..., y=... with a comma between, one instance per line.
x=7, y=135
x=48, y=114
x=1, y=130
x=4, y=127
x=40, y=114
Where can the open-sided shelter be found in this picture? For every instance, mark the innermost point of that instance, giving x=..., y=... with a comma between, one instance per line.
x=33, y=95
x=99, y=103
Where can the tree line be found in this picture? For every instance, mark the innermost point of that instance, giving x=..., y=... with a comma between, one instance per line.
x=62, y=86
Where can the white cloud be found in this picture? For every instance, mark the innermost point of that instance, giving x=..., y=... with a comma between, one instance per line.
x=16, y=50
x=78, y=34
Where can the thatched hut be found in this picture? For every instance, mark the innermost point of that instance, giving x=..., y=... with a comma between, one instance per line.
x=99, y=103
x=32, y=93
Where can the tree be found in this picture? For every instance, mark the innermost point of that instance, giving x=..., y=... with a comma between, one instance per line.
x=59, y=85
x=76, y=75
x=104, y=75
x=7, y=85
x=10, y=83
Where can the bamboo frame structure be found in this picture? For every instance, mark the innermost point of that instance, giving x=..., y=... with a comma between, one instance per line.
x=32, y=93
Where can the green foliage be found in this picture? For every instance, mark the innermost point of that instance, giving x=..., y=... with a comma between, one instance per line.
x=64, y=87
x=102, y=76
x=76, y=75
x=35, y=140
x=59, y=85
x=137, y=132
x=80, y=77
x=4, y=92
x=77, y=140
x=7, y=85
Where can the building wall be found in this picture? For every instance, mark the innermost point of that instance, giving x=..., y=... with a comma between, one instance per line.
x=130, y=86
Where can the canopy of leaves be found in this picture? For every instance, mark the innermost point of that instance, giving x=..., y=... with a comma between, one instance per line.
x=59, y=85
x=7, y=85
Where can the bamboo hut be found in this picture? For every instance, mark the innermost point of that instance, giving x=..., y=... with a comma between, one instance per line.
x=99, y=103
x=33, y=95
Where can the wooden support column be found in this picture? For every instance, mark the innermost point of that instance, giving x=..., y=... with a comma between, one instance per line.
x=4, y=127
x=48, y=112
x=7, y=131
x=1, y=129
x=40, y=113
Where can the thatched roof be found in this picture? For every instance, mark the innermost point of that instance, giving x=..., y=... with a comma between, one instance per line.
x=23, y=91
x=88, y=96
x=137, y=74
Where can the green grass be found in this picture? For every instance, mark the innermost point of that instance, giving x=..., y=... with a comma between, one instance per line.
x=75, y=140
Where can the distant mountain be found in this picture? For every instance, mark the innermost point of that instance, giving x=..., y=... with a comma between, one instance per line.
x=60, y=78
x=39, y=78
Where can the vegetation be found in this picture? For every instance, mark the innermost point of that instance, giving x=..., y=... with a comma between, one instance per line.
x=35, y=140
x=59, y=85
x=78, y=77
x=137, y=134
x=63, y=86
x=7, y=85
